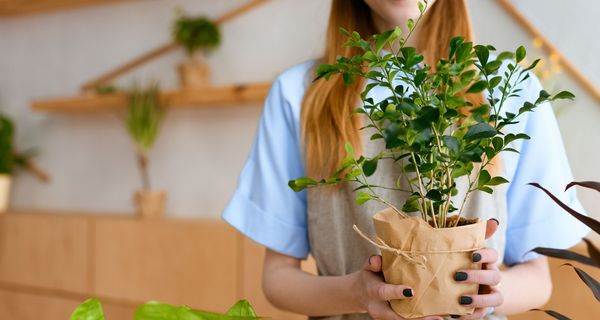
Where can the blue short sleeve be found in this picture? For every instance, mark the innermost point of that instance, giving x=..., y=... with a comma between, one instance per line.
x=263, y=207
x=534, y=220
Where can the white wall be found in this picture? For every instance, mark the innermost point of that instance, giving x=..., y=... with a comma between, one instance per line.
x=201, y=150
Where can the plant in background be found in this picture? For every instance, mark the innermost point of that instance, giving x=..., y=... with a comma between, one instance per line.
x=441, y=142
x=144, y=118
x=7, y=129
x=429, y=129
x=11, y=159
x=592, y=260
x=195, y=33
x=91, y=309
x=198, y=35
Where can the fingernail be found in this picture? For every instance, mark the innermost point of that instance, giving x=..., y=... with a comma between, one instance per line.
x=454, y=316
x=464, y=300
x=476, y=257
x=407, y=293
x=370, y=260
x=497, y=222
x=461, y=276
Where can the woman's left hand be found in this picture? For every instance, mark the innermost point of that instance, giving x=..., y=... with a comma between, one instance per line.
x=488, y=278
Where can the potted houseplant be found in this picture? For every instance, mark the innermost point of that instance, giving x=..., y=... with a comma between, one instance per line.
x=144, y=118
x=593, y=258
x=91, y=309
x=197, y=35
x=11, y=160
x=439, y=140
x=6, y=159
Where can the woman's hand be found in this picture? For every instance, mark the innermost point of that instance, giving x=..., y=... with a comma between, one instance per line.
x=373, y=294
x=488, y=278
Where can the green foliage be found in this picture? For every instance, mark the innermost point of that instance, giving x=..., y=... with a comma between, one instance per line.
x=429, y=129
x=91, y=309
x=7, y=129
x=593, y=258
x=144, y=116
x=195, y=33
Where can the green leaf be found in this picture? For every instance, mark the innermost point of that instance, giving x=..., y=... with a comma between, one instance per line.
x=564, y=95
x=521, y=53
x=90, y=309
x=452, y=144
x=369, y=167
x=302, y=183
x=362, y=197
x=478, y=87
x=480, y=131
x=484, y=178
x=241, y=309
x=464, y=52
x=486, y=189
x=454, y=44
x=544, y=96
x=483, y=54
x=495, y=81
x=434, y=195
x=495, y=181
x=349, y=149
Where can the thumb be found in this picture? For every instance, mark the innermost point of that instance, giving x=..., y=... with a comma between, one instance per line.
x=373, y=263
x=491, y=227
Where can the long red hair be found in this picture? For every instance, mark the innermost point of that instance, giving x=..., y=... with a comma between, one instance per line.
x=326, y=117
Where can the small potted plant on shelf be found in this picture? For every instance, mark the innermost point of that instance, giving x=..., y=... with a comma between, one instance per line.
x=144, y=118
x=198, y=35
x=441, y=143
x=11, y=160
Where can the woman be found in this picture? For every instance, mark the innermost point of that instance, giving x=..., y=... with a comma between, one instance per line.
x=302, y=132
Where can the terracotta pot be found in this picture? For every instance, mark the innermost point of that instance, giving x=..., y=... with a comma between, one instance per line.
x=5, y=183
x=150, y=204
x=194, y=74
x=426, y=259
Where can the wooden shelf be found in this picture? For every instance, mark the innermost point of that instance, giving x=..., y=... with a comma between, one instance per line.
x=209, y=96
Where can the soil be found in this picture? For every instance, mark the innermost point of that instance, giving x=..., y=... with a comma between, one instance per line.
x=450, y=221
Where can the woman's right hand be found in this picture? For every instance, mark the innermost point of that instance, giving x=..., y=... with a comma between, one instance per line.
x=373, y=294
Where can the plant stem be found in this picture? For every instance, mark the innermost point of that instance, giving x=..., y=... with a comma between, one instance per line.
x=142, y=159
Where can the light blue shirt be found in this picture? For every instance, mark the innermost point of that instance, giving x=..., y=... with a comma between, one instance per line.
x=266, y=210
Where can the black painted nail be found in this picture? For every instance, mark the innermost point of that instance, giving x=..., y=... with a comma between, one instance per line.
x=454, y=316
x=497, y=222
x=476, y=257
x=407, y=293
x=461, y=276
x=464, y=300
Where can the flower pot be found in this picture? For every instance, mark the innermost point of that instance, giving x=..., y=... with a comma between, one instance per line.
x=426, y=259
x=150, y=204
x=194, y=74
x=5, y=183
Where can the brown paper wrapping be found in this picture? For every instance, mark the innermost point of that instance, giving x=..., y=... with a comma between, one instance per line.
x=426, y=260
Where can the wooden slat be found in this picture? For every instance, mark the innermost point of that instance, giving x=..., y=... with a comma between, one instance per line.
x=210, y=96
x=551, y=49
x=165, y=48
x=11, y=8
x=178, y=262
x=44, y=251
x=252, y=264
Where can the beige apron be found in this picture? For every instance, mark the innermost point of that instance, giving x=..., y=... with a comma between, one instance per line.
x=336, y=247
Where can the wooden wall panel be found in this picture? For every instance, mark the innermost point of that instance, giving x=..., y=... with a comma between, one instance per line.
x=27, y=306
x=179, y=262
x=44, y=250
x=569, y=296
x=252, y=264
